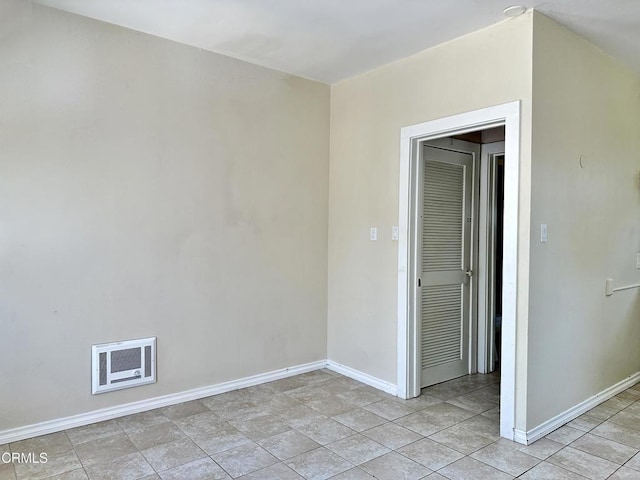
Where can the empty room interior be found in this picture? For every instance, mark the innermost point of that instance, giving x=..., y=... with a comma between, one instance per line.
x=319, y=240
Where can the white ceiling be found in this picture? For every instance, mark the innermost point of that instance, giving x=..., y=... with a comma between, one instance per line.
x=330, y=40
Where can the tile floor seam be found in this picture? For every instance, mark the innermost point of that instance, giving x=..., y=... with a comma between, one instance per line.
x=463, y=453
x=628, y=461
x=406, y=456
x=600, y=436
x=498, y=468
x=600, y=455
x=84, y=467
x=567, y=469
x=570, y=471
x=619, y=468
x=221, y=467
x=154, y=468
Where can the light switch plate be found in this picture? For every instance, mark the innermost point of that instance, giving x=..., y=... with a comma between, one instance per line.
x=543, y=233
x=637, y=260
x=395, y=234
x=373, y=234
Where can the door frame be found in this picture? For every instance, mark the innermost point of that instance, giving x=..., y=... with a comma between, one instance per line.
x=412, y=138
x=486, y=255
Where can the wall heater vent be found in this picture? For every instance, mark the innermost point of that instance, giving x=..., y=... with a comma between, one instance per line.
x=123, y=364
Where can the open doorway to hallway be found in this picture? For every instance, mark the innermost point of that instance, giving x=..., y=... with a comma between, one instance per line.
x=413, y=141
x=458, y=251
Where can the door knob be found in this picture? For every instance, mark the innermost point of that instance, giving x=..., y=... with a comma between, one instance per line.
x=468, y=273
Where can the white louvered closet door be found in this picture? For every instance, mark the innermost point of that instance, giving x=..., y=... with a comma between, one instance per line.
x=445, y=257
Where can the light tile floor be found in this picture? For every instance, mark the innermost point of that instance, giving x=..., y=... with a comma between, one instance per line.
x=321, y=425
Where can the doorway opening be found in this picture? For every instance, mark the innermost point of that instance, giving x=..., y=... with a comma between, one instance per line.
x=459, y=254
x=443, y=168
x=498, y=212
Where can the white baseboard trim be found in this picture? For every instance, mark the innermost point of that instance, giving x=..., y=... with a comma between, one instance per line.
x=362, y=377
x=565, y=417
x=520, y=436
x=51, y=426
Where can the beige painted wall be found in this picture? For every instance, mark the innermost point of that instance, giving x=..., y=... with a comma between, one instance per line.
x=148, y=188
x=584, y=104
x=485, y=68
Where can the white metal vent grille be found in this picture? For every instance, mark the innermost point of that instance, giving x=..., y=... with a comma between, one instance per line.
x=123, y=364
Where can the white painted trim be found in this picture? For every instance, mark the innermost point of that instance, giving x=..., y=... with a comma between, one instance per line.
x=405, y=385
x=507, y=114
x=362, y=377
x=486, y=255
x=510, y=265
x=520, y=436
x=51, y=426
x=565, y=417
